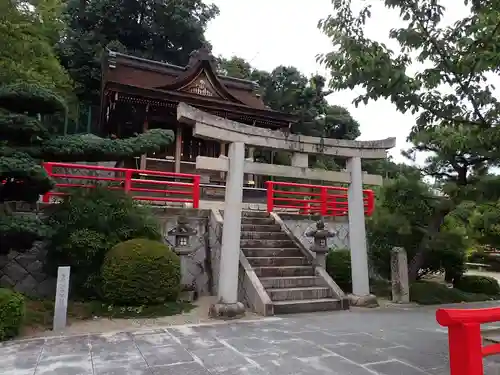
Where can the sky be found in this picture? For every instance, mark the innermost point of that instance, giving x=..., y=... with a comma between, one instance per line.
x=269, y=33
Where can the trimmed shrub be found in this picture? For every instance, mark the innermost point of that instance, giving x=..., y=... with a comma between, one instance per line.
x=338, y=266
x=432, y=293
x=86, y=225
x=140, y=272
x=12, y=311
x=478, y=284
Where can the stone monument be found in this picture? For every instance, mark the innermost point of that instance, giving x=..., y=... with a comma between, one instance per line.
x=399, y=276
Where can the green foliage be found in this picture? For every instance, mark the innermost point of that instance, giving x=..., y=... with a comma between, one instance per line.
x=86, y=225
x=141, y=272
x=164, y=31
x=405, y=207
x=431, y=293
x=89, y=147
x=12, y=311
x=478, y=284
x=287, y=90
x=18, y=232
x=26, y=54
x=25, y=141
x=23, y=97
x=338, y=266
x=450, y=93
x=484, y=221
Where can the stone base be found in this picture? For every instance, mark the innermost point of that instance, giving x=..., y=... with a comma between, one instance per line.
x=363, y=301
x=227, y=310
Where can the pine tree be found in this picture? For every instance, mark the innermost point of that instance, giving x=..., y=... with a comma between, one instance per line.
x=25, y=142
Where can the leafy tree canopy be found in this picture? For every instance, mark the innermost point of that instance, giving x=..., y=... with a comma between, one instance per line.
x=456, y=111
x=287, y=90
x=25, y=142
x=26, y=54
x=160, y=30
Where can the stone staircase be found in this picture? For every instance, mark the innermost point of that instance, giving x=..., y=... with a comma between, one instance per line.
x=286, y=274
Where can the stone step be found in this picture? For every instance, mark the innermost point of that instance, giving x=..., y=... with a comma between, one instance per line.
x=272, y=252
x=260, y=228
x=304, y=293
x=291, y=282
x=247, y=243
x=278, y=261
x=307, y=305
x=247, y=235
x=284, y=271
x=257, y=221
x=254, y=214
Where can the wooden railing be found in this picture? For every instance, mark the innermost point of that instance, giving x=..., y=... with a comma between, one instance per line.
x=308, y=199
x=143, y=185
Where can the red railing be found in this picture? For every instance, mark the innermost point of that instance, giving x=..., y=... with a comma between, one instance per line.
x=464, y=338
x=167, y=186
x=313, y=199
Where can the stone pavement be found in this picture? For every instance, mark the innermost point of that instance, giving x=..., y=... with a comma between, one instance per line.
x=357, y=342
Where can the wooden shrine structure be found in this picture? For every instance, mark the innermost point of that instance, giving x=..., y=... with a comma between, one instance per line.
x=139, y=94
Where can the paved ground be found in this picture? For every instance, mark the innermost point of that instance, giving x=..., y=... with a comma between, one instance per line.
x=361, y=342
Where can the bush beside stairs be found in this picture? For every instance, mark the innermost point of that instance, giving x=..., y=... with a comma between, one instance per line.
x=286, y=274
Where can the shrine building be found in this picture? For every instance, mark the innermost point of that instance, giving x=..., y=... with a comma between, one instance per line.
x=139, y=94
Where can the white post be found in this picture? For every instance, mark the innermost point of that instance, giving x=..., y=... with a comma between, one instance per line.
x=61, y=305
x=228, y=305
x=357, y=230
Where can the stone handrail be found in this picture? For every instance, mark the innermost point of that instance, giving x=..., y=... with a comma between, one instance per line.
x=319, y=271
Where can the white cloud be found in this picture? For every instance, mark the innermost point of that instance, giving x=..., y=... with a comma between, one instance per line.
x=269, y=33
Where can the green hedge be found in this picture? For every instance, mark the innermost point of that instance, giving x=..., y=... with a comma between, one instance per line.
x=140, y=272
x=338, y=266
x=86, y=225
x=12, y=311
x=478, y=284
x=433, y=293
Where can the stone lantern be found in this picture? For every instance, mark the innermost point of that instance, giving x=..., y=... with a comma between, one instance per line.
x=182, y=234
x=320, y=244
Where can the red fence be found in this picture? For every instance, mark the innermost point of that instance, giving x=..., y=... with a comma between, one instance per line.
x=313, y=199
x=464, y=338
x=143, y=185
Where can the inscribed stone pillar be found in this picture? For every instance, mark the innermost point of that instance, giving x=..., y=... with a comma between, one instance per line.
x=357, y=230
x=178, y=148
x=399, y=276
x=228, y=305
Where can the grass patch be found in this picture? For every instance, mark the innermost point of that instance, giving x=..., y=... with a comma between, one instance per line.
x=39, y=313
x=432, y=293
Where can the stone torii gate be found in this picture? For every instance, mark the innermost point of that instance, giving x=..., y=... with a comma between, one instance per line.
x=238, y=135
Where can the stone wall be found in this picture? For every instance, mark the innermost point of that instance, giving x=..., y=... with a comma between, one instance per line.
x=24, y=272
x=195, y=266
x=300, y=225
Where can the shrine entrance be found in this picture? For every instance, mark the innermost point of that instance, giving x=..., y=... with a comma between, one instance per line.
x=238, y=135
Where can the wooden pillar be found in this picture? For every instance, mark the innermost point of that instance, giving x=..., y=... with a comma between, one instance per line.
x=222, y=153
x=178, y=148
x=145, y=127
